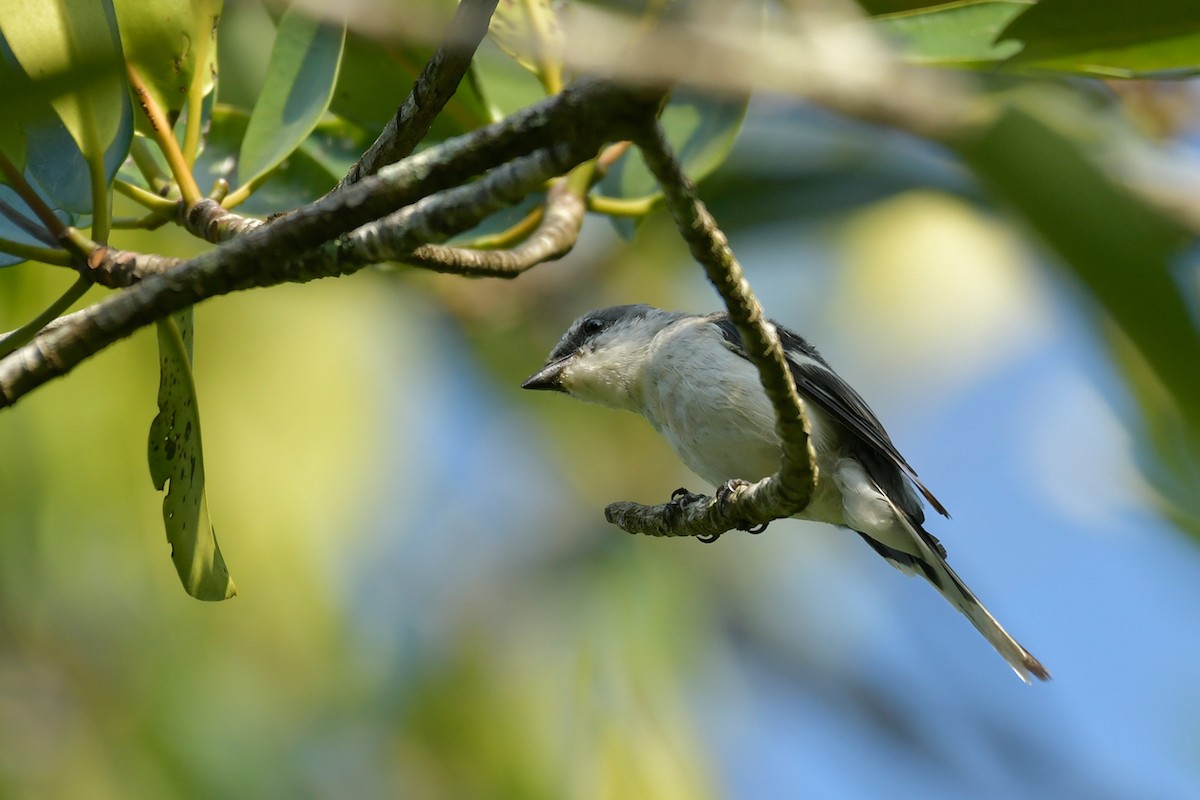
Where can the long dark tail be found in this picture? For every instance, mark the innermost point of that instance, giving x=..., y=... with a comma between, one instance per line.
x=931, y=564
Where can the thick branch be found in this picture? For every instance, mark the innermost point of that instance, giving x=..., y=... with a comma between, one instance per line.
x=789, y=490
x=433, y=88
x=570, y=128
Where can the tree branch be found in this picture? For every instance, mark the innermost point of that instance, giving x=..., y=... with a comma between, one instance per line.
x=789, y=490
x=553, y=238
x=569, y=128
x=435, y=85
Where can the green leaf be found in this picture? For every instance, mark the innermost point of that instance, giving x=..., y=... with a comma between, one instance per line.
x=962, y=35
x=75, y=37
x=506, y=85
x=67, y=120
x=1109, y=39
x=880, y=7
x=177, y=462
x=168, y=42
x=527, y=31
x=300, y=79
x=1121, y=250
x=309, y=172
x=701, y=129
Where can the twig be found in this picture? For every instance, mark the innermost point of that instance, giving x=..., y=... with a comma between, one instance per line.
x=790, y=489
x=433, y=88
x=553, y=238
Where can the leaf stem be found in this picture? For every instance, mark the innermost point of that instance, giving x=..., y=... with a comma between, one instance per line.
x=165, y=139
x=31, y=252
x=149, y=200
x=623, y=207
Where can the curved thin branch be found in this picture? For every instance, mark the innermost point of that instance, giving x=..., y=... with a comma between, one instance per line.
x=790, y=489
x=553, y=238
x=433, y=88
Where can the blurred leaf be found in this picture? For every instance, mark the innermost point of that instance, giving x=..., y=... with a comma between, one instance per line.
x=962, y=35
x=1109, y=39
x=1121, y=250
x=701, y=129
x=299, y=85
x=880, y=7
x=167, y=41
x=527, y=30
x=506, y=85
x=176, y=458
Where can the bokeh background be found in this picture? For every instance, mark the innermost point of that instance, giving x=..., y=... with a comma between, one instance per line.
x=432, y=606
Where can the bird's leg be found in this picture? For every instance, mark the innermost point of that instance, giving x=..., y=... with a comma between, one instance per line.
x=725, y=494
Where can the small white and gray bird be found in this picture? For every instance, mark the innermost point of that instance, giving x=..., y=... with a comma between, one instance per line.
x=690, y=377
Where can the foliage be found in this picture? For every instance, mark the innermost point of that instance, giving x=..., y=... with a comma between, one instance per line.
x=1045, y=139
x=74, y=119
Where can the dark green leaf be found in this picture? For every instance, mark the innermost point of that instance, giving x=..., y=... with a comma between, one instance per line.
x=1109, y=39
x=177, y=462
x=300, y=79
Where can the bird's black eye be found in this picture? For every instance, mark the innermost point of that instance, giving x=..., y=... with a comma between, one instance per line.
x=593, y=326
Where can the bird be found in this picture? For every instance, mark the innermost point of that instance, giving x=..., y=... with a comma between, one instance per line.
x=690, y=377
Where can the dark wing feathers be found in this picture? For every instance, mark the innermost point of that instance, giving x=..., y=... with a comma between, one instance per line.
x=817, y=382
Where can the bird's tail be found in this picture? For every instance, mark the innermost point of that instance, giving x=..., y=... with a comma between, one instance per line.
x=931, y=564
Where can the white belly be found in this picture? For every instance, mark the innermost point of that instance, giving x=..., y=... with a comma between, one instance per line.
x=722, y=426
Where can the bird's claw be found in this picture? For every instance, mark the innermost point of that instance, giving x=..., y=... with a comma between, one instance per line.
x=682, y=496
x=725, y=493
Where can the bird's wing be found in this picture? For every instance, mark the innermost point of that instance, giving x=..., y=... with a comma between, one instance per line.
x=817, y=382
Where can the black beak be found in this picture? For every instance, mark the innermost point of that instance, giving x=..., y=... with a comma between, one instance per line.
x=547, y=378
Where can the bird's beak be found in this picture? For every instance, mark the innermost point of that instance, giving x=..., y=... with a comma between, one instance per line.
x=548, y=378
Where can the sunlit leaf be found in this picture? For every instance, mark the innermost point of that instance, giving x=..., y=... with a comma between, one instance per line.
x=73, y=37
x=1109, y=39
x=168, y=42
x=961, y=35
x=879, y=7
x=177, y=463
x=66, y=120
x=299, y=86
x=528, y=31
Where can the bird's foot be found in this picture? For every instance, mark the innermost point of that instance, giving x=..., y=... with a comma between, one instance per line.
x=682, y=497
x=725, y=493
